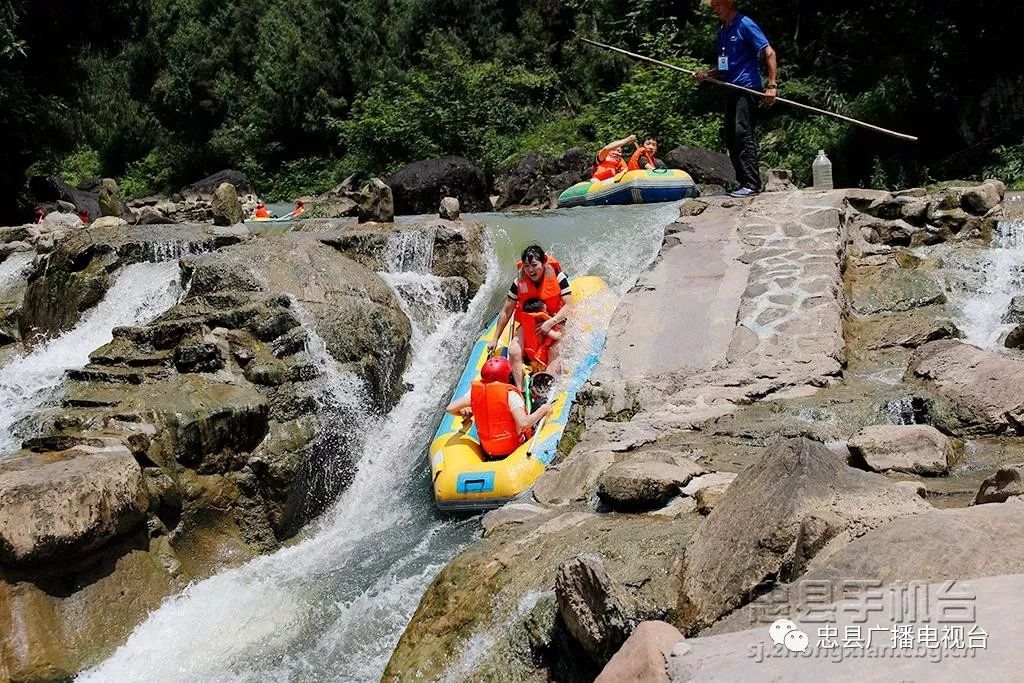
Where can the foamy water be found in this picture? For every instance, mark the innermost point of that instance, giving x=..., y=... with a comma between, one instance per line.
x=140, y=292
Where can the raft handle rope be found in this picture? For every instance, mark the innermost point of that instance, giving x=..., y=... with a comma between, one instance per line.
x=733, y=86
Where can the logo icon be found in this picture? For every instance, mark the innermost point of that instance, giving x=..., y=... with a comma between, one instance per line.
x=784, y=632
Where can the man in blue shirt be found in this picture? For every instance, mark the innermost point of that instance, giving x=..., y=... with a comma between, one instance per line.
x=741, y=44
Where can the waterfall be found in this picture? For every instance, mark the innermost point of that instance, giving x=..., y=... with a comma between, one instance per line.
x=990, y=284
x=140, y=293
x=332, y=606
x=13, y=268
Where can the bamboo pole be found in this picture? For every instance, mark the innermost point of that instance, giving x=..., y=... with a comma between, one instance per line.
x=733, y=86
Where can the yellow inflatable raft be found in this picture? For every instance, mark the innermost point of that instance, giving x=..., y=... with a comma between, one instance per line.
x=464, y=478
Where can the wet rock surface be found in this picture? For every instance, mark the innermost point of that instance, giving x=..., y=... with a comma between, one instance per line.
x=196, y=441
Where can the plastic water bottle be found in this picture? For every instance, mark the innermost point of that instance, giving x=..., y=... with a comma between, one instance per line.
x=821, y=169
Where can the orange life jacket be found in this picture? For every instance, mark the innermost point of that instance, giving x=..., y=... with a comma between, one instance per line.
x=634, y=161
x=494, y=422
x=607, y=168
x=535, y=345
x=547, y=291
x=261, y=212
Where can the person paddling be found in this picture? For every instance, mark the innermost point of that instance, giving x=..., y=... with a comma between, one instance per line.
x=539, y=276
x=499, y=409
x=261, y=211
x=609, y=161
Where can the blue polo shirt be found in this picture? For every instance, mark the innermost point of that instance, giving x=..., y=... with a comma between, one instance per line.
x=742, y=41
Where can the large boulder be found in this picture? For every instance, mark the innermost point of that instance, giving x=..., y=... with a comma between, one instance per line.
x=915, y=449
x=951, y=544
x=48, y=190
x=798, y=502
x=203, y=190
x=703, y=165
x=537, y=180
x=376, y=203
x=109, y=199
x=456, y=248
x=645, y=483
x=1004, y=484
x=981, y=199
x=1015, y=338
x=227, y=209
x=591, y=606
x=962, y=619
x=983, y=389
x=895, y=289
x=1015, y=311
x=642, y=658
x=54, y=506
x=419, y=187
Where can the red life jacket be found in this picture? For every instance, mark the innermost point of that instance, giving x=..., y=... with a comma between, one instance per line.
x=261, y=212
x=535, y=345
x=494, y=422
x=547, y=291
x=634, y=161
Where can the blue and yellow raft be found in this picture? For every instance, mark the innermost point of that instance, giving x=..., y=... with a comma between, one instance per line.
x=464, y=478
x=632, y=187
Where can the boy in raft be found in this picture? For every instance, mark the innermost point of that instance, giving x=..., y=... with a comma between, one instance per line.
x=643, y=157
x=499, y=409
x=539, y=276
x=609, y=161
x=537, y=343
x=261, y=211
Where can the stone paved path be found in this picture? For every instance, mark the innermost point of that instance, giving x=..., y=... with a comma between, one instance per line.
x=756, y=309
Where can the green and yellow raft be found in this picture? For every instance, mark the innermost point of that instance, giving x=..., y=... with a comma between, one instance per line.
x=464, y=478
x=632, y=187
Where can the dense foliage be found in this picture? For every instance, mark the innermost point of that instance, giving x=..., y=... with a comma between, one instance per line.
x=299, y=93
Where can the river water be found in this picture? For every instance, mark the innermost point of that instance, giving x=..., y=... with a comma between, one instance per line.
x=331, y=606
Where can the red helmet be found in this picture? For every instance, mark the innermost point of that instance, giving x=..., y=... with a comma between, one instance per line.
x=496, y=369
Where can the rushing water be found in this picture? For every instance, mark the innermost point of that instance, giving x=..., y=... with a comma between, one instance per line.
x=140, y=293
x=982, y=283
x=332, y=606
x=14, y=267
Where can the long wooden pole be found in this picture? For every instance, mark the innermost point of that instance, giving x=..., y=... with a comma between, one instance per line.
x=733, y=86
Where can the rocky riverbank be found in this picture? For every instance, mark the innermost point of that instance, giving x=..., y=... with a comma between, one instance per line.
x=784, y=395
x=195, y=440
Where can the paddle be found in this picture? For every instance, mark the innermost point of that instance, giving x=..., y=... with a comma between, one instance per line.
x=798, y=105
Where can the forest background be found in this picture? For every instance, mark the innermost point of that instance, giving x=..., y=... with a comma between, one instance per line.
x=300, y=93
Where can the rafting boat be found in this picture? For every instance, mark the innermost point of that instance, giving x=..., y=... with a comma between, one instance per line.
x=632, y=187
x=464, y=477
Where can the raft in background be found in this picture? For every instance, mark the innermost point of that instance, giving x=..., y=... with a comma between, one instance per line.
x=463, y=477
x=632, y=187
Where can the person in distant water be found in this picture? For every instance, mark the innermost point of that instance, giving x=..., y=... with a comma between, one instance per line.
x=261, y=211
x=539, y=276
x=741, y=46
x=299, y=209
x=40, y=215
x=84, y=217
x=643, y=158
x=537, y=343
x=609, y=161
x=499, y=409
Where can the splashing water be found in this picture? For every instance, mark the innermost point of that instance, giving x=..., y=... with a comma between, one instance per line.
x=13, y=268
x=332, y=606
x=140, y=293
x=988, y=284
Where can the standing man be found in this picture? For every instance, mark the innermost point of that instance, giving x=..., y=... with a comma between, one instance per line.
x=741, y=44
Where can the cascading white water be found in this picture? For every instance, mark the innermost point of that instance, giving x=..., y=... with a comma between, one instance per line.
x=332, y=606
x=141, y=292
x=13, y=268
x=987, y=284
